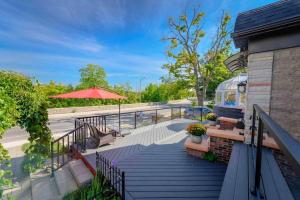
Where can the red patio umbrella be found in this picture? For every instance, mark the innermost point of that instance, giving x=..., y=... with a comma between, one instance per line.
x=92, y=93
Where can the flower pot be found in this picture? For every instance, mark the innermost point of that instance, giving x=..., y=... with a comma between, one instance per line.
x=196, y=139
x=212, y=123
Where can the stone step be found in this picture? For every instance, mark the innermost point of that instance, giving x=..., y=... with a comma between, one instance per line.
x=44, y=187
x=65, y=181
x=80, y=172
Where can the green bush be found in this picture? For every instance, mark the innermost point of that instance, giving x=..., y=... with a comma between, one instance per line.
x=196, y=129
x=210, y=156
x=211, y=117
x=99, y=189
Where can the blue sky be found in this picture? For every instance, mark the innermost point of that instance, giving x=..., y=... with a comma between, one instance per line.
x=52, y=39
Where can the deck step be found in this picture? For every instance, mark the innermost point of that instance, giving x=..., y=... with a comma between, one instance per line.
x=65, y=181
x=80, y=172
x=43, y=186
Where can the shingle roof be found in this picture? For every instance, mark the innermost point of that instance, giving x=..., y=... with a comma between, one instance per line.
x=267, y=17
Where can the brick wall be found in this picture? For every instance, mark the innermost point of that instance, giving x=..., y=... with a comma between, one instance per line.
x=286, y=168
x=285, y=97
x=222, y=148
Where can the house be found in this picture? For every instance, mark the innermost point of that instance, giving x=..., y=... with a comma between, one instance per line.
x=269, y=41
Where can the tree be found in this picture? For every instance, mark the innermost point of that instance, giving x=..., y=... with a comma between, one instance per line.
x=214, y=69
x=29, y=107
x=8, y=116
x=187, y=64
x=92, y=76
x=151, y=93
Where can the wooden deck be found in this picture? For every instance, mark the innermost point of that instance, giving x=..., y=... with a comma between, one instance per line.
x=157, y=166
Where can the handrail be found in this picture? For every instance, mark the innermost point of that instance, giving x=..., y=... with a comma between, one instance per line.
x=289, y=146
x=101, y=120
x=147, y=110
x=73, y=140
x=70, y=132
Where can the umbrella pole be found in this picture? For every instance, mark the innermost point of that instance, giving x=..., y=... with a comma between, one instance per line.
x=120, y=117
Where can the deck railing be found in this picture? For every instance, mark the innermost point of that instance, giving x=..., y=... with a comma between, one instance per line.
x=135, y=119
x=287, y=144
x=64, y=148
x=114, y=175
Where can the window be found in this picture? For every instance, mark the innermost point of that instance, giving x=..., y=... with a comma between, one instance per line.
x=229, y=98
x=219, y=98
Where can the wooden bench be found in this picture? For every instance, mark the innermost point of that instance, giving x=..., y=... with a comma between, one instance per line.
x=239, y=178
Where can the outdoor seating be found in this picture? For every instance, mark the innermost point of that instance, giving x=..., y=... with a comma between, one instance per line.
x=98, y=138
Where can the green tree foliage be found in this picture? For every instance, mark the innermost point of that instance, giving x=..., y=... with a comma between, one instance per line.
x=151, y=93
x=31, y=112
x=169, y=89
x=214, y=70
x=92, y=76
x=127, y=91
x=8, y=117
x=186, y=63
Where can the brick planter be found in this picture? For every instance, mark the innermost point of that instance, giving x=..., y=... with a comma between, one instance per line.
x=197, y=150
x=221, y=142
x=222, y=148
x=227, y=123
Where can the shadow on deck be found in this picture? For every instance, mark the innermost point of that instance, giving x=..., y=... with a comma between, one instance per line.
x=164, y=170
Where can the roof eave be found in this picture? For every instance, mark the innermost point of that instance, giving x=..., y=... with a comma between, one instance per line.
x=241, y=37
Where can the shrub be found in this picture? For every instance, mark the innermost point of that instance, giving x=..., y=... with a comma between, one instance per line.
x=211, y=116
x=210, y=156
x=196, y=129
x=99, y=189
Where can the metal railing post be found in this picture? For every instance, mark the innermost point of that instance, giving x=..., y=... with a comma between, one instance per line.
x=134, y=120
x=201, y=113
x=253, y=126
x=123, y=185
x=63, y=153
x=156, y=116
x=105, y=123
x=180, y=112
x=258, y=156
x=52, y=160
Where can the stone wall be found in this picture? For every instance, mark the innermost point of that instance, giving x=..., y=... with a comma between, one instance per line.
x=285, y=98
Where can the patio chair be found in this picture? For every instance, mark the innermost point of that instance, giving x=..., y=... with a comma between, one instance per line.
x=98, y=138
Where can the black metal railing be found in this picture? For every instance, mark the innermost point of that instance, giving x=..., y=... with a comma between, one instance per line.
x=114, y=175
x=287, y=144
x=136, y=119
x=63, y=148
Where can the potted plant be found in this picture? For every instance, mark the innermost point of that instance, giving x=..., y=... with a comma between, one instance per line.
x=196, y=131
x=212, y=118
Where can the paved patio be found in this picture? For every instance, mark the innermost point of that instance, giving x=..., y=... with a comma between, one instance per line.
x=157, y=166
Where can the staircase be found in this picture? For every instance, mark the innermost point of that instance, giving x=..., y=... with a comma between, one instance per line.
x=67, y=179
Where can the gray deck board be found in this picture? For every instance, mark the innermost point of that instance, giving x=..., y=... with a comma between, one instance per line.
x=163, y=170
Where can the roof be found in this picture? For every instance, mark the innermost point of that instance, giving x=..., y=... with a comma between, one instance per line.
x=92, y=93
x=231, y=84
x=237, y=61
x=276, y=16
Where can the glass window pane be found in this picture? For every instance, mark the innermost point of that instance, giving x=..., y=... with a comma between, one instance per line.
x=229, y=98
x=219, y=98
